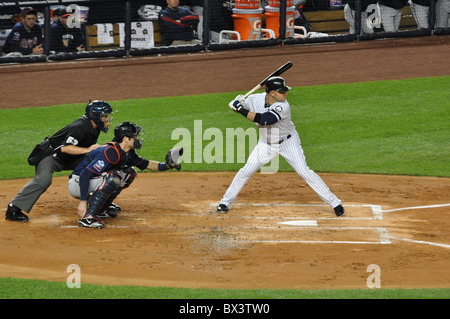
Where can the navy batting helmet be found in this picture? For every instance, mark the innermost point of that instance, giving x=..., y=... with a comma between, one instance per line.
x=95, y=110
x=277, y=83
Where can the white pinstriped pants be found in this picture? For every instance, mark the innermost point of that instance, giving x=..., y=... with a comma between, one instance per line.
x=292, y=152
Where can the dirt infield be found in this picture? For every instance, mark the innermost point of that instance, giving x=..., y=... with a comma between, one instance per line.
x=281, y=237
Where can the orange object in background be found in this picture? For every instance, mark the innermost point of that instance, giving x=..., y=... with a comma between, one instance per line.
x=273, y=20
x=248, y=23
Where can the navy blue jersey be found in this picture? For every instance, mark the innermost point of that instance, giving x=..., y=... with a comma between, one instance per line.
x=177, y=25
x=104, y=159
x=21, y=40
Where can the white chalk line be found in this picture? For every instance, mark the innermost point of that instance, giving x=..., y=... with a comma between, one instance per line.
x=415, y=207
x=420, y=241
x=313, y=242
x=377, y=211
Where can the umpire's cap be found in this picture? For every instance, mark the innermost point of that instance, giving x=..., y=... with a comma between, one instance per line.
x=277, y=83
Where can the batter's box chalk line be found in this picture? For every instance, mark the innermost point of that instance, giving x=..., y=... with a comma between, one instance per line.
x=377, y=214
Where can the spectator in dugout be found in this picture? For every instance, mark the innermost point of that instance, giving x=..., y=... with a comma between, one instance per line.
x=64, y=36
x=26, y=36
x=177, y=25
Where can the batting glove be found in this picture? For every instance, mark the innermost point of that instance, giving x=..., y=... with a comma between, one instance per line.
x=237, y=103
x=237, y=106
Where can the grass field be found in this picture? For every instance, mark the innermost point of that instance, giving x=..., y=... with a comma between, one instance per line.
x=389, y=127
x=393, y=127
x=11, y=288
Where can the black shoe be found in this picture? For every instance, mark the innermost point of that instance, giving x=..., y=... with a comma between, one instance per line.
x=111, y=211
x=15, y=214
x=91, y=222
x=339, y=210
x=222, y=208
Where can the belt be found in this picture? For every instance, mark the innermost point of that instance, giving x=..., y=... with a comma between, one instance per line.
x=282, y=140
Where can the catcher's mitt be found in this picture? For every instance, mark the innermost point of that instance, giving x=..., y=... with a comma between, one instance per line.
x=172, y=157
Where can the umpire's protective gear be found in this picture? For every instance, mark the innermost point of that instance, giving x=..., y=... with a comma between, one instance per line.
x=95, y=110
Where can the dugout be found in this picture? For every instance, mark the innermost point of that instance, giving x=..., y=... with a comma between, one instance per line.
x=114, y=28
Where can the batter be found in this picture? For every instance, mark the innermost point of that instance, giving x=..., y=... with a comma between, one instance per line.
x=278, y=136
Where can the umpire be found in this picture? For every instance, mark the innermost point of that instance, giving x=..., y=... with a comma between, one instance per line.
x=67, y=149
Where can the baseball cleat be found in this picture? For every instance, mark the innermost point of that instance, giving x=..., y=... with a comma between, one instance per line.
x=339, y=210
x=222, y=208
x=91, y=222
x=111, y=211
x=15, y=214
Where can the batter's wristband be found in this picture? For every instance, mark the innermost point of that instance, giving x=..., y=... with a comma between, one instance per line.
x=243, y=111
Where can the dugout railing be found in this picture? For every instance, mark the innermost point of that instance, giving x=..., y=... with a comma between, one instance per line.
x=113, y=28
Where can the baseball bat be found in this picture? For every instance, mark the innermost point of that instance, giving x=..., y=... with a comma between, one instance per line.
x=277, y=72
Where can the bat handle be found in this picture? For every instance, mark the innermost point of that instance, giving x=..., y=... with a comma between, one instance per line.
x=256, y=88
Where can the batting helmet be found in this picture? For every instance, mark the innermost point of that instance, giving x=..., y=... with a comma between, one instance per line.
x=130, y=130
x=95, y=110
x=277, y=83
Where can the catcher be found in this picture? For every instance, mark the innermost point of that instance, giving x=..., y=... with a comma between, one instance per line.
x=106, y=171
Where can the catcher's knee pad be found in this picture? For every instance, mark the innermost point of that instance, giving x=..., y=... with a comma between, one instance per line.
x=109, y=189
x=129, y=174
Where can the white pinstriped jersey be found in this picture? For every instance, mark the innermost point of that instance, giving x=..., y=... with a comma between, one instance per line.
x=279, y=130
x=290, y=149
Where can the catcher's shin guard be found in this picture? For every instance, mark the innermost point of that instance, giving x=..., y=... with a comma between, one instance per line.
x=127, y=176
x=104, y=194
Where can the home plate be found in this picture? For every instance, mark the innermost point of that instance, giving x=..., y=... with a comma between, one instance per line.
x=300, y=223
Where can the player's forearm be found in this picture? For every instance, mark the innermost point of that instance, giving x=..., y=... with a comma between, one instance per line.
x=157, y=166
x=76, y=150
x=251, y=116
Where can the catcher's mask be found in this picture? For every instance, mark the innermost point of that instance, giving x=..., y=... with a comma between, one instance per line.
x=277, y=83
x=130, y=130
x=96, y=111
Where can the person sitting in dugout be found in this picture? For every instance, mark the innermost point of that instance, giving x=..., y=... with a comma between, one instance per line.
x=65, y=37
x=177, y=25
x=26, y=36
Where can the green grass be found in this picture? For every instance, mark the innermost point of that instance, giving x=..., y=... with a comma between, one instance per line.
x=383, y=127
x=11, y=288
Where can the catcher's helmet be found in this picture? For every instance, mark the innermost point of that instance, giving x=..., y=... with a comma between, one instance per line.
x=277, y=83
x=95, y=110
x=130, y=130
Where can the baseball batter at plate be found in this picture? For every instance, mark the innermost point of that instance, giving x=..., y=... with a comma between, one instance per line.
x=278, y=136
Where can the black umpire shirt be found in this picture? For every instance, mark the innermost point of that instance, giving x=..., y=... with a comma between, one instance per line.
x=80, y=133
